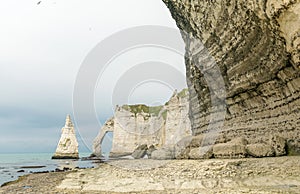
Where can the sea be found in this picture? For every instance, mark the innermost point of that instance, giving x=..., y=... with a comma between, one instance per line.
x=14, y=165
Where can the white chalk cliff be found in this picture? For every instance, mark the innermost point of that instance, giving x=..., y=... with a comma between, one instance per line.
x=135, y=125
x=244, y=55
x=67, y=147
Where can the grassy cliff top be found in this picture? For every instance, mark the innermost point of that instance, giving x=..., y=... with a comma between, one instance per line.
x=152, y=110
x=183, y=93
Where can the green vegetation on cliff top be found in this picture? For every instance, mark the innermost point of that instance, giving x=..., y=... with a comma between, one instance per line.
x=152, y=110
x=183, y=93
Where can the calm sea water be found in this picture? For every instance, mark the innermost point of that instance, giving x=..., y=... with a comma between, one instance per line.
x=10, y=164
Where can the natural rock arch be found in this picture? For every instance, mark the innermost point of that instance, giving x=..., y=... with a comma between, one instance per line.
x=97, y=146
x=154, y=126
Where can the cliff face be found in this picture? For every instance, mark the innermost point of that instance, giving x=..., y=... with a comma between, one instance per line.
x=135, y=125
x=256, y=47
x=67, y=147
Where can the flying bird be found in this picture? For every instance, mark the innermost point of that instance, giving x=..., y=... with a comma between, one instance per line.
x=39, y=2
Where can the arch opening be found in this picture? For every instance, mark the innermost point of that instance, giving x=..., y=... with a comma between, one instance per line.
x=106, y=143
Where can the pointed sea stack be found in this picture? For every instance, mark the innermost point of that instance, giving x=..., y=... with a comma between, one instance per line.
x=67, y=147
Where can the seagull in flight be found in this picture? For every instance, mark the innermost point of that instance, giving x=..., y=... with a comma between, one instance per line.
x=39, y=2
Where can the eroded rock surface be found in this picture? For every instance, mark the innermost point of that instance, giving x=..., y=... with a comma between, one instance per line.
x=256, y=48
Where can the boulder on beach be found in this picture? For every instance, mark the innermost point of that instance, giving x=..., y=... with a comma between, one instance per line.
x=140, y=151
x=166, y=153
x=259, y=150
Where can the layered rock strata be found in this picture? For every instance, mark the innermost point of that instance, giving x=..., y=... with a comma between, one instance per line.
x=140, y=125
x=255, y=46
x=67, y=147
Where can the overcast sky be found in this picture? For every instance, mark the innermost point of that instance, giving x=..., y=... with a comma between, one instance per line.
x=42, y=47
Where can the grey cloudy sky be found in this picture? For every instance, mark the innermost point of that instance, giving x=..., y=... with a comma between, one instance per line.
x=41, y=50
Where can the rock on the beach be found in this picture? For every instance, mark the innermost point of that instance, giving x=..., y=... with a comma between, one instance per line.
x=182, y=148
x=279, y=145
x=293, y=147
x=67, y=147
x=140, y=151
x=166, y=153
x=150, y=150
x=232, y=149
x=201, y=153
x=260, y=150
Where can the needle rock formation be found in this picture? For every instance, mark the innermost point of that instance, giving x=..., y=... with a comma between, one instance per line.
x=67, y=147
